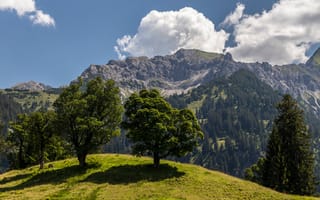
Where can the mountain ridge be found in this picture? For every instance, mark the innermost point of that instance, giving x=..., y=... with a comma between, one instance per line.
x=188, y=69
x=31, y=86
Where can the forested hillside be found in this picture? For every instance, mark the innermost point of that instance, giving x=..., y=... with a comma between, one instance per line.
x=236, y=115
x=8, y=111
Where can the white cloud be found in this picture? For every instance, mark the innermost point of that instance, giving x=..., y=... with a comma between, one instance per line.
x=42, y=19
x=281, y=35
x=162, y=33
x=234, y=17
x=28, y=8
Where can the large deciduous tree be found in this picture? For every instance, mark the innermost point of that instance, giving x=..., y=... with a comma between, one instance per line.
x=31, y=134
x=89, y=115
x=289, y=162
x=157, y=129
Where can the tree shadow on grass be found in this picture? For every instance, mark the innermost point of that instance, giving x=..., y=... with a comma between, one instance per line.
x=126, y=174
x=51, y=176
x=14, y=178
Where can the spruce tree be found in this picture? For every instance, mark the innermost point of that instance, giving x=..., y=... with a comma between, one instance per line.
x=289, y=163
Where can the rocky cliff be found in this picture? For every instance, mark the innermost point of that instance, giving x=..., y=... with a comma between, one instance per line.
x=187, y=69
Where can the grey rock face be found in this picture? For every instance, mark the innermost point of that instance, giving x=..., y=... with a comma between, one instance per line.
x=31, y=86
x=187, y=69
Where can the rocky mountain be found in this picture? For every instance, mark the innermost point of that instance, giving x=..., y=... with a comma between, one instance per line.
x=187, y=69
x=31, y=86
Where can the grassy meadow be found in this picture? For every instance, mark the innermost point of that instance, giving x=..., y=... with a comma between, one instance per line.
x=113, y=176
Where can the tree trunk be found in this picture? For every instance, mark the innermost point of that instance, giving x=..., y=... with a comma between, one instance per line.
x=41, y=164
x=82, y=159
x=41, y=157
x=21, y=163
x=156, y=159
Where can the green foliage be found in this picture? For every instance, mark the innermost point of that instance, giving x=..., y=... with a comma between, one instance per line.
x=89, y=118
x=255, y=172
x=156, y=128
x=236, y=115
x=289, y=163
x=29, y=138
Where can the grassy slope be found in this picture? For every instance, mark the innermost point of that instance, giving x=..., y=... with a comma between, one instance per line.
x=31, y=100
x=110, y=176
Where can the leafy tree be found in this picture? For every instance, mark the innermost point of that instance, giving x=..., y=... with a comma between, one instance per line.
x=254, y=173
x=41, y=126
x=18, y=139
x=89, y=117
x=31, y=134
x=289, y=162
x=157, y=129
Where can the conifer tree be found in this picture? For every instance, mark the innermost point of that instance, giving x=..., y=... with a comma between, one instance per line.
x=289, y=163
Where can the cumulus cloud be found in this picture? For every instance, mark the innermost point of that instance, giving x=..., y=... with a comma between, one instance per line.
x=28, y=8
x=234, y=17
x=281, y=35
x=42, y=19
x=162, y=33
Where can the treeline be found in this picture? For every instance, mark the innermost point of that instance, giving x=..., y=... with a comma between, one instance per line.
x=236, y=115
x=9, y=110
x=87, y=115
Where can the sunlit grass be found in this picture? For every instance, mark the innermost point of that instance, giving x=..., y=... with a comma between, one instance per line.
x=110, y=176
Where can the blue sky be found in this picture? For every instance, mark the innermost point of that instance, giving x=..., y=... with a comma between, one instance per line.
x=54, y=41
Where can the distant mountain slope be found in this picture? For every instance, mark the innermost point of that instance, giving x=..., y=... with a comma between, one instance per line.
x=32, y=100
x=315, y=59
x=9, y=109
x=31, y=86
x=187, y=69
x=173, y=74
x=126, y=177
x=236, y=114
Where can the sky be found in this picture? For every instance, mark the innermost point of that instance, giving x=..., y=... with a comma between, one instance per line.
x=53, y=42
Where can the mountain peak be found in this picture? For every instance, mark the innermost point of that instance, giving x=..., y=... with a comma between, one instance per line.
x=196, y=54
x=31, y=86
x=315, y=58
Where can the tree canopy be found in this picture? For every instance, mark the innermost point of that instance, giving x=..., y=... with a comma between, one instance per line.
x=289, y=162
x=157, y=129
x=89, y=115
x=30, y=135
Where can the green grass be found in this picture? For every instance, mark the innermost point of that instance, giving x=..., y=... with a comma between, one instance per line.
x=207, y=55
x=110, y=176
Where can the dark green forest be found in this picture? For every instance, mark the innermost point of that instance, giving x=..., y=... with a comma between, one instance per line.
x=236, y=115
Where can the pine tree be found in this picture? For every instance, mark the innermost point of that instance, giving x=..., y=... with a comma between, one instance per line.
x=289, y=163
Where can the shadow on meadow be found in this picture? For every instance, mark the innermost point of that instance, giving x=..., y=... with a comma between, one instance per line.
x=14, y=178
x=125, y=174
x=46, y=177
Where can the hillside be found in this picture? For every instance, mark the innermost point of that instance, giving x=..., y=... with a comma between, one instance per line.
x=33, y=100
x=110, y=176
x=236, y=114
